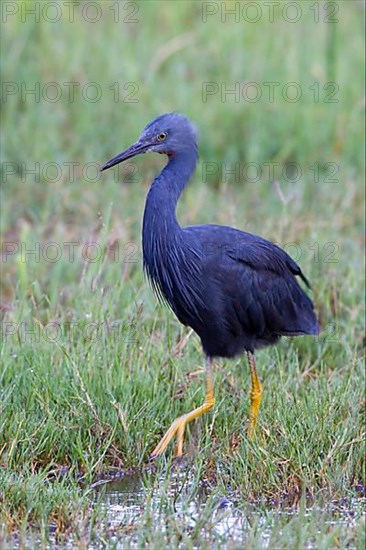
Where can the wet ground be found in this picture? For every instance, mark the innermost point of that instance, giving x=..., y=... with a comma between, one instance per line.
x=134, y=510
x=126, y=501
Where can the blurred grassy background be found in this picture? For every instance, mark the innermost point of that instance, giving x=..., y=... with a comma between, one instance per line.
x=56, y=406
x=164, y=71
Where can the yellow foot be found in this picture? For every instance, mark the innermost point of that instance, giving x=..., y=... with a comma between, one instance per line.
x=179, y=425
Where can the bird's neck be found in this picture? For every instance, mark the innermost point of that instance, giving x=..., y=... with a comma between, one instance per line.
x=161, y=233
x=160, y=222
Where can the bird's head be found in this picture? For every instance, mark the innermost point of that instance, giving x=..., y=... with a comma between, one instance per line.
x=168, y=134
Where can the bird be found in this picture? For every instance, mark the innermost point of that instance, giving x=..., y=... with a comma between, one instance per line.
x=238, y=291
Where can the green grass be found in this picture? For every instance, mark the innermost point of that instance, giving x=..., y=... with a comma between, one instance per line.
x=78, y=401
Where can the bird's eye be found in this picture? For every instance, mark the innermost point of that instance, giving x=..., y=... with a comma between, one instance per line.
x=162, y=136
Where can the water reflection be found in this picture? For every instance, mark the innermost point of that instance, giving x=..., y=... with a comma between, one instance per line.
x=128, y=501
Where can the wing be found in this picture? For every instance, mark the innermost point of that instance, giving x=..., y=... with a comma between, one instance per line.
x=263, y=255
x=256, y=284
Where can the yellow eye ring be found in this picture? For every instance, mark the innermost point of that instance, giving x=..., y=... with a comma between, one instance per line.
x=162, y=136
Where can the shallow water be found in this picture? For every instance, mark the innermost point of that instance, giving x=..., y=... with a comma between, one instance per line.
x=147, y=511
x=128, y=501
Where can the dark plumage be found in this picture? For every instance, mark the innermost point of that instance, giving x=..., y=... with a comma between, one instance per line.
x=236, y=290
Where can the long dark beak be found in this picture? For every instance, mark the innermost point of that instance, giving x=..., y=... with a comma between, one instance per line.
x=135, y=149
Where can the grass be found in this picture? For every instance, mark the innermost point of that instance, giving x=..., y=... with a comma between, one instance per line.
x=93, y=369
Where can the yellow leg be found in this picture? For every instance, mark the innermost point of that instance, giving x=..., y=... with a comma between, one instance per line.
x=178, y=426
x=255, y=396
